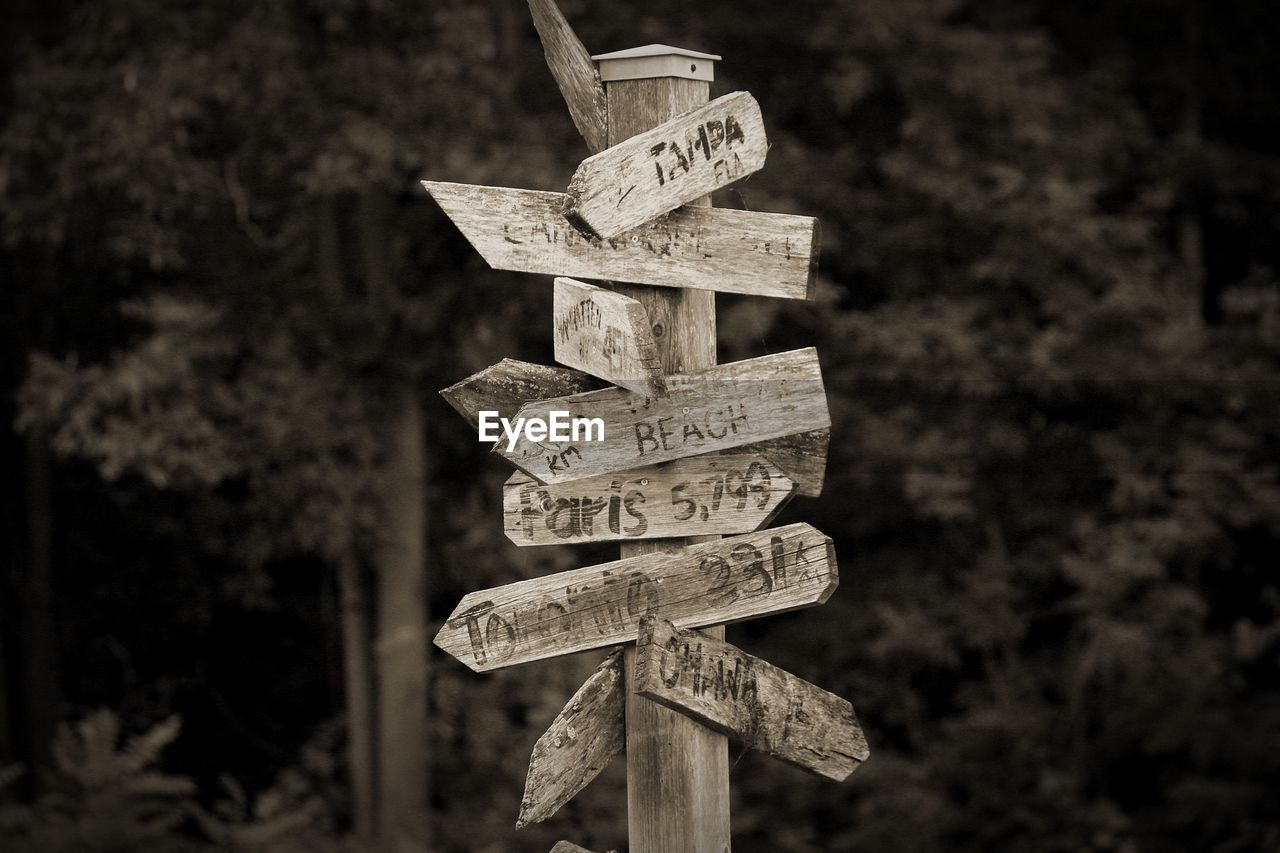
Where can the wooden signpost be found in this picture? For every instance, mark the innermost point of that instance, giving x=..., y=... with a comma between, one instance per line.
x=719, y=408
x=687, y=451
x=696, y=496
x=606, y=335
x=506, y=386
x=724, y=580
x=748, y=699
x=677, y=162
x=731, y=251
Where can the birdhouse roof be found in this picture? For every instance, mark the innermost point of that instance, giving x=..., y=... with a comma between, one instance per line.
x=654, y=50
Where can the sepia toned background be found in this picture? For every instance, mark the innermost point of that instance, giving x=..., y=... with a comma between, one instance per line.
x=233, y=509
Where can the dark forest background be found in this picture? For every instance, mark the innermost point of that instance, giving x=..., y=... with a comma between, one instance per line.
x=233, y=508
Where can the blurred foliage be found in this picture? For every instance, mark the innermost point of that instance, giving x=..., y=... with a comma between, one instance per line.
x=1049, y=318
x=106, y=795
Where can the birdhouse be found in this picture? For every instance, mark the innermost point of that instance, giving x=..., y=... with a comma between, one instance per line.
x=656, y=60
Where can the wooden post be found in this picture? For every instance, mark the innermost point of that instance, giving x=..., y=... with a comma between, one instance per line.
x=677, y=769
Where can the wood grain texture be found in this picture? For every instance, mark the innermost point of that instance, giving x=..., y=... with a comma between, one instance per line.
x=506, y=386
x=802, y=456
x=679, y=161
x=731, y=251
x=606, y=335
x=677, y=770
x=748, y=699
x=698, y=496
x=725, y=580
x=575, y=73
x=720, y=408
x=581, y=741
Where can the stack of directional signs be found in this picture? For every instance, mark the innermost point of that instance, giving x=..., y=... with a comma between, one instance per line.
x=719, y=451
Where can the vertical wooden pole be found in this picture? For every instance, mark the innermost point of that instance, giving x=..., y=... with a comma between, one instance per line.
x=677, y=769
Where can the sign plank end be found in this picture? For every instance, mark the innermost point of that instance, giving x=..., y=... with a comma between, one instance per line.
x=790, y=489
x=607, y=335
x=815, y=246
x=833, y=572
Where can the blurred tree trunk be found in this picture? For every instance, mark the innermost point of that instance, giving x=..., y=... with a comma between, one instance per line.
x=40, y=664
x=358, y=690
x=401, y=634
x=357, y=652
x=1190, y=222
x=401, y=646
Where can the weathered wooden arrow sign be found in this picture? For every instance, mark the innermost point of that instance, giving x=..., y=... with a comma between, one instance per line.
x=680, y=160
x=732, y=251
x=506, y=386
x=720, y=408
x=582, y=740
x=748, y=699
x=575, y=73
x=727, y=580
x=696, y=496
x=605, y=334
